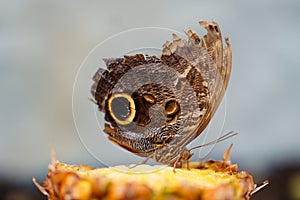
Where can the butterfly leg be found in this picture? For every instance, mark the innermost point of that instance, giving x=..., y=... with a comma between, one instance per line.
x=177, y=161
x=140, y=163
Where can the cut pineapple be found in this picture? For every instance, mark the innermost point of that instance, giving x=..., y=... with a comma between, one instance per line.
x=213, y=180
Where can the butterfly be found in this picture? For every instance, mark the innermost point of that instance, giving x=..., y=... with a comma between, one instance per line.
x=154, y=106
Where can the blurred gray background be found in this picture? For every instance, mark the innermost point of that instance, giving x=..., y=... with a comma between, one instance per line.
x=43, y=43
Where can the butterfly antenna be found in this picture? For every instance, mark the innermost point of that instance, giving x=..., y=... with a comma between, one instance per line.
x=222, y=138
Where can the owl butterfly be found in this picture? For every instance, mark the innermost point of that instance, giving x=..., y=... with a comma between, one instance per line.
x=155, y=106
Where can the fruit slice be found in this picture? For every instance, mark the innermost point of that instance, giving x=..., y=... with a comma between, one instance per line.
x=213, y=180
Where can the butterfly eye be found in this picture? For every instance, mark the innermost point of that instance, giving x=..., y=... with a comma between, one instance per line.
x=121, y=108
x=172, y=109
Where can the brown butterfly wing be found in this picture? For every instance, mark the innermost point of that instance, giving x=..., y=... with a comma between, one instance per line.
x=202, y=75
x=214, y=65
x=126, y=75
x=208, y=75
